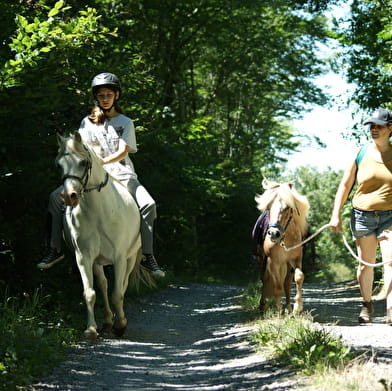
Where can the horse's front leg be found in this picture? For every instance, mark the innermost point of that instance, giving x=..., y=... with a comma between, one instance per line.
x=120, y=322
x=299, y=280
x=86, y=273
x=277, y=274
x=103, y=286
x=288, y=282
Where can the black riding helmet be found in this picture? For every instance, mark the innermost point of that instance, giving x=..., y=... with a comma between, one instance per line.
x=106, y=79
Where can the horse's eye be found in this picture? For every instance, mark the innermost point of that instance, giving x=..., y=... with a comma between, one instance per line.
x=83, y=163
x=57, y=164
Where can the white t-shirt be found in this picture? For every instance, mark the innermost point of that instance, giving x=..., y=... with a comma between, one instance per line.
x=105, y=139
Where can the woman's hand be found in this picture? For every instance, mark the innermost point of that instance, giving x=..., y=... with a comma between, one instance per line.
x=335, y=224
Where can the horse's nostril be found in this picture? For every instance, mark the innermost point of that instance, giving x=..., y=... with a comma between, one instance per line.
x=73, y=196
x=273, y=233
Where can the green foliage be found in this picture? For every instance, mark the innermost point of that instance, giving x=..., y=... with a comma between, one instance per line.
x=325, y=257
x=29, y=343
x=297, y=341
x=366, y=36
x=33, y=40
x=250, y=299
x=211, y=90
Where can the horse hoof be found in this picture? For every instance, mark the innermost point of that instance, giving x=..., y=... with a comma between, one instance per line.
x=106, y=329
x=90, y=335
x=119, y=332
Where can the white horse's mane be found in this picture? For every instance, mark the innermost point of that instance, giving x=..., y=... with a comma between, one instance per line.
x=76, y=144
x=287, y=193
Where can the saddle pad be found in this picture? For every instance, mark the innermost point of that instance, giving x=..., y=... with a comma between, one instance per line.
x=260, y=229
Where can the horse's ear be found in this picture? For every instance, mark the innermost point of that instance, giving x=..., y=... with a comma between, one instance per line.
x=78, y=137
x=60, y=139
x=267, y=184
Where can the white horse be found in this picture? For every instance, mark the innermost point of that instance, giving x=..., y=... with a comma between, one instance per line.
x=102, y=224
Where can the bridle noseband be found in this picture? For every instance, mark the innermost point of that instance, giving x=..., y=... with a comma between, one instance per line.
x=282, y=230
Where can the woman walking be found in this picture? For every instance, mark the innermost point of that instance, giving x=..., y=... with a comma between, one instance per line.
x=372, y=207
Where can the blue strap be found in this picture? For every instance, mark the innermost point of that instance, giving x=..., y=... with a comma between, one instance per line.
x=361, y=154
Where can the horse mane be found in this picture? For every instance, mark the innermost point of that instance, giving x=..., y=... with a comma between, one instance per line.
x=286, y=192
x=76, y=143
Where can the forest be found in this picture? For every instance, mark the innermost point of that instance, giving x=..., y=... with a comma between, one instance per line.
x=212, y=86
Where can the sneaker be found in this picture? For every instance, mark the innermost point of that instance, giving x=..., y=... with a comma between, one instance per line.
x=149, y=263
x=50, y=259
x=365, y=315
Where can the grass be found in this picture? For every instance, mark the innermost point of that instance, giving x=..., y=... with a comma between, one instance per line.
x=295, y=340
x=30, y=344
x=312, y=350
x=357, y=376
x=36, y=329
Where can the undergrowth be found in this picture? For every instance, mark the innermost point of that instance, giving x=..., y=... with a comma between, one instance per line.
x=31, y=342
x=312, y=350
x=297, y=341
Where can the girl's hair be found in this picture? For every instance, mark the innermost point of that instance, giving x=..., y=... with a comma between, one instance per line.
x=98, y=116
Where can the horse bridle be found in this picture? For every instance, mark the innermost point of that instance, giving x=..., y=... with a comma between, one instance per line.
x=281, y=229
x=84, y=178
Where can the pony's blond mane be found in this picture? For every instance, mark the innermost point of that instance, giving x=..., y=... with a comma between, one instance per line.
x=287, y=193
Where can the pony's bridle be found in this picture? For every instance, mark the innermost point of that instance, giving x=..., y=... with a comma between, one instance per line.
x=282, y=230
x=84, y=178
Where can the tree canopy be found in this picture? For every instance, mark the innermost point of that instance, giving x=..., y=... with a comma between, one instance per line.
x=211, y=86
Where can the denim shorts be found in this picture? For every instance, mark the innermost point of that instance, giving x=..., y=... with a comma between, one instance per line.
x=365, y=223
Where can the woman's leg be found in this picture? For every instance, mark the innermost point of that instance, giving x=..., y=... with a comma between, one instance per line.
x=54, y=230
x=366, y=248
x=148, y=214
x=386, y=251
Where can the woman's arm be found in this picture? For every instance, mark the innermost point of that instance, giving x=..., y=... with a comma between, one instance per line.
x=127, y=144
x=342, y=193
x=120, y=154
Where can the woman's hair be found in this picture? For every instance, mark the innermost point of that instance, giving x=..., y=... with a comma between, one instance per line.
x=98, y=116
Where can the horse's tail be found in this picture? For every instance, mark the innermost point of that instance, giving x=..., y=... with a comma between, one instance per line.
x=140, y=274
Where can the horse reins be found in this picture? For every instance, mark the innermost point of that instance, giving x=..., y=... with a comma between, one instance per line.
x=345, y=243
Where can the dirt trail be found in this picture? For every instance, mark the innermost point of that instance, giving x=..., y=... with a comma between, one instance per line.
x=194, y=337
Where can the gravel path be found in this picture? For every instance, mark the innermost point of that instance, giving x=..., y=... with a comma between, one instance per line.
x=193, y=337
x=337, y=306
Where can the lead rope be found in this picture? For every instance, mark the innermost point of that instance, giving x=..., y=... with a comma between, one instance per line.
x=345, y=243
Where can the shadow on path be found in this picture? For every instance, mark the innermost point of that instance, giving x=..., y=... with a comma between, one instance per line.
x=190, y=337
x=337, y=306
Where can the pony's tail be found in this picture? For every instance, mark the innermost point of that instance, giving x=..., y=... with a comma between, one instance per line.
x=140, y=274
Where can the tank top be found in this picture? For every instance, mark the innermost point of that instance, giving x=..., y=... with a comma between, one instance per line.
x=374, y=185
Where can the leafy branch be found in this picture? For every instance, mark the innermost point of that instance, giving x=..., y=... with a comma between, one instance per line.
x=35, y=39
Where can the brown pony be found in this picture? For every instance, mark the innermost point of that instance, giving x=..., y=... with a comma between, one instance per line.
x=287, y=213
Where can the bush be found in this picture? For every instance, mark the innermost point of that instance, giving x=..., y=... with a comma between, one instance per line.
x=29, y=344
